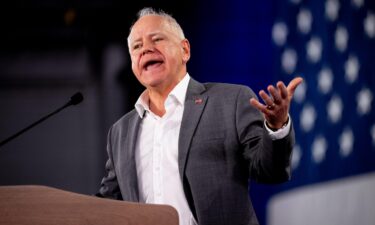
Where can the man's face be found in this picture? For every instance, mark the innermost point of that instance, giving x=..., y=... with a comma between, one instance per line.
x=158, y=54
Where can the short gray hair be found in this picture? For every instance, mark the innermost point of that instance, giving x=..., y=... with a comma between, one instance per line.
x=169, y=18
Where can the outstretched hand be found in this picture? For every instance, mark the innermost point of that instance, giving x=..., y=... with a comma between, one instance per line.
x=276, y=107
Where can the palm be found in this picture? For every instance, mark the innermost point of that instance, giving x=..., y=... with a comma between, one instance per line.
x=277, y=102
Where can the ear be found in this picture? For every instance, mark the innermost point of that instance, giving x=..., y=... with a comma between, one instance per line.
x=185, y=50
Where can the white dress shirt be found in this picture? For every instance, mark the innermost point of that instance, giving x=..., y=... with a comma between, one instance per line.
x=156, y=152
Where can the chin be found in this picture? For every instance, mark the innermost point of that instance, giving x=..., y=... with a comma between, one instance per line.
x=153, y=80
x=154, y=84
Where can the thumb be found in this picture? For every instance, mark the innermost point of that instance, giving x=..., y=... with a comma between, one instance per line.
x=292, y=86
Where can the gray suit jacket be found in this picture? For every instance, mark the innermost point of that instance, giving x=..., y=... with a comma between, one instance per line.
x=222, y=144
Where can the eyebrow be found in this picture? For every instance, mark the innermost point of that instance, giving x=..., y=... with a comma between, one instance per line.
x=152, y=34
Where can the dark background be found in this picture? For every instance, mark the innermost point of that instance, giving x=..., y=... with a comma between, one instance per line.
x=50, y=49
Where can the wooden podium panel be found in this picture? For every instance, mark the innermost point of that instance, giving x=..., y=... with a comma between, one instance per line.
x=41, y=205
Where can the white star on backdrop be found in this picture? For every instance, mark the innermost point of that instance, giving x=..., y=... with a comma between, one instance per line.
x=357, y=3
x=296, y=157
x=369, y=24
x=307, y=117
x=346, y=141
x=289, y=60
x=351, y=69
x=314, y=49
x=300, y=92
x=319, y=149
x=364, y=99
x=334, y=109
x=304, y=21
x=341, y=38
x=325, y=80
x=279, y=33
x=332, y=9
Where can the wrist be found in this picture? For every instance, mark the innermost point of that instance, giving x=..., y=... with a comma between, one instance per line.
x=275, y=128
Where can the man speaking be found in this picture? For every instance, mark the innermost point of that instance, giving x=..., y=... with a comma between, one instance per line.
x=190, y=145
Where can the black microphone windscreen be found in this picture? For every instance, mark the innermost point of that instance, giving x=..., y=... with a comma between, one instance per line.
x=76, y=98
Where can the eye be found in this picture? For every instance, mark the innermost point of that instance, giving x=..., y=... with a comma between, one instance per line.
x=137, y=46
x=156, y=39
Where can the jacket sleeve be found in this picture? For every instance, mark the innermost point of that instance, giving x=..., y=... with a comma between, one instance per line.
x=268, y=160
x=109, y=186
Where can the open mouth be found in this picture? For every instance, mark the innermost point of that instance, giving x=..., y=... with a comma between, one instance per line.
x=152, y=64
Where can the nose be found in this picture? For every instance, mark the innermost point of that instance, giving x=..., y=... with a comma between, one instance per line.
x=147, y=48
x=146, y=51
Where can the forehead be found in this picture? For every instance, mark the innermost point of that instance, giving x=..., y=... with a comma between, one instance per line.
x=148, y=25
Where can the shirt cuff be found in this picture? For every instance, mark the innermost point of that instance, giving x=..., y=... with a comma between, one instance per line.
x=280, y=133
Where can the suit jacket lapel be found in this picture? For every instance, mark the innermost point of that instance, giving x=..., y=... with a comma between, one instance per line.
x=195, y=103
x=131, y=140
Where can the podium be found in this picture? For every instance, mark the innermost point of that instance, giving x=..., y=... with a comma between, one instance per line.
x=41, y=205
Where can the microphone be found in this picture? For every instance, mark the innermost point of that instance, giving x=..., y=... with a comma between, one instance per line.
x=74, y=100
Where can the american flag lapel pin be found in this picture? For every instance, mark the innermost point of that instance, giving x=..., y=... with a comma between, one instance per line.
x=198, y=101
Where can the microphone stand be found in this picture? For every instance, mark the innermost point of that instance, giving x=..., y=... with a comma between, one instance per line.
x=74, y=100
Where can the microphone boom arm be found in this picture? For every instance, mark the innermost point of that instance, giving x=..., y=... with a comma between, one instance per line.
x=74, y=100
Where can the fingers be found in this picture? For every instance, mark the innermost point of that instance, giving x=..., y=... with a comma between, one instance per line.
x=274, y=98
x=278, y=97
x=266, y=98
x=280, y=92
x=282, y=89
x=258, y=105
x=275, y=94
x=293, y=85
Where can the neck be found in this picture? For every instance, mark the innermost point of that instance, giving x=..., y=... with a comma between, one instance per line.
x=157, y=100
x=158, y=95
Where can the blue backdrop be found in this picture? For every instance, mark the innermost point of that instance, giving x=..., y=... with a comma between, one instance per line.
x=331, y=44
